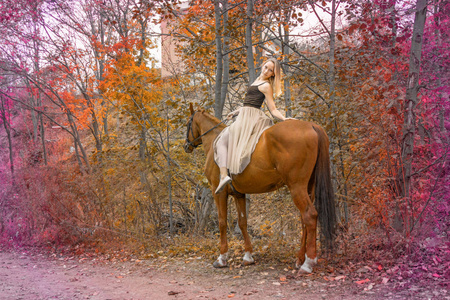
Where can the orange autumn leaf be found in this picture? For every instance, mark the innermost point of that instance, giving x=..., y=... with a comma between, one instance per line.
x=362, y=281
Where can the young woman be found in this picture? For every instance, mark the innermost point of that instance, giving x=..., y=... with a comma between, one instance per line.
x=235, y=144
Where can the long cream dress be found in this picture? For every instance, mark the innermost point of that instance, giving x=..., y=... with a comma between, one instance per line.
x=245, y=132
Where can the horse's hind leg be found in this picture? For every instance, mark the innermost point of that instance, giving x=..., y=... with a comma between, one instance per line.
x=242, y=221
x=302, y=252
x=309, y=224
x=222, y=206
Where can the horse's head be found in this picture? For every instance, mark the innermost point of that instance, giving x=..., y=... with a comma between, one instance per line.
x=193, y=133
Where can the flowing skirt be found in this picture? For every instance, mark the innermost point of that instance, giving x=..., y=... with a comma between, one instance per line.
x=243, y=134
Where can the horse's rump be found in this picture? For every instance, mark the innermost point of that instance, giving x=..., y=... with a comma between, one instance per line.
x=289, y=147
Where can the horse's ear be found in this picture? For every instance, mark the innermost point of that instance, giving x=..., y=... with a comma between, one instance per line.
x=191, y=108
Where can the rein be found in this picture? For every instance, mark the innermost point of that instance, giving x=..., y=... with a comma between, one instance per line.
x=190, y=130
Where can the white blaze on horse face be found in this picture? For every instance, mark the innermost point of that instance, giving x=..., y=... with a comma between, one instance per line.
x=308, y=264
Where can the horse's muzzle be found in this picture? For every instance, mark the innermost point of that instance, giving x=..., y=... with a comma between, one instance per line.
x=188, y=148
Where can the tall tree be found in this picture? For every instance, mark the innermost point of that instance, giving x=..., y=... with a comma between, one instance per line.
x=411, y=101
x=249, y=42
x=218, y=105
x=5, y=119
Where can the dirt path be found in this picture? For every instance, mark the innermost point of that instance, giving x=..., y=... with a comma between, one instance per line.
x=32, y=275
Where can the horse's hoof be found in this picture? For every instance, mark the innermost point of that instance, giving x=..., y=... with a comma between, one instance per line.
x=302, y=272
x=219, y=265
x=248, y=262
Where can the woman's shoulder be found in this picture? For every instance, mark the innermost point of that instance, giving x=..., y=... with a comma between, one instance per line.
x=265, y=87
x=259, y=83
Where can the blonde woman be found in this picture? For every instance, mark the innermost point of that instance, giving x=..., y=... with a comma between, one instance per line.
x=235, y=144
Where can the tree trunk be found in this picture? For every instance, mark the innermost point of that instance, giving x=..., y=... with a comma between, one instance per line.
x=7, y=126
x=77, y=142
x=37, y=70
x=218, y=106
x=34, y=119
x=249, y=43
x=44, y=147
x=258, y=34
x=285, y=53
x=142, y=142
x=226, y=57
x=205, y=203
x=101, y=71
x=99, y=57
x=331, y=69
x=169, y=174
x=411, y=101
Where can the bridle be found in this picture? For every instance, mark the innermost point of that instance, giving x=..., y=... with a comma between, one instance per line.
x=190, y=130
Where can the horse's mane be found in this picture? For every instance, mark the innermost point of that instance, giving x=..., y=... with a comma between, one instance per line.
x=209, y=116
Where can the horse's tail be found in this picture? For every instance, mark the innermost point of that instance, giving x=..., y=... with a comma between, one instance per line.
x=324, y=194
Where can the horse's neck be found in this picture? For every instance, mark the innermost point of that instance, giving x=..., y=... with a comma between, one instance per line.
x=209, y=138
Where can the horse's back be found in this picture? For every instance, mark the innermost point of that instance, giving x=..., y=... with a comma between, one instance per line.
x=291, y=129
x=290, y=136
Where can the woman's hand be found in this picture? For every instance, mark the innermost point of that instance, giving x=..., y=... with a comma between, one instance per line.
x=232, y=114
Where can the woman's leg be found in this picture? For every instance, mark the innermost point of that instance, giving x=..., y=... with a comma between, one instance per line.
x=222, y=154
x=222, y=161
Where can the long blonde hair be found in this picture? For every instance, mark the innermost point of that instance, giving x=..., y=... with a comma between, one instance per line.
x=275, y=80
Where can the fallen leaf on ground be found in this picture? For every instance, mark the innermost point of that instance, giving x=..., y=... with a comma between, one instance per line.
x=231, y=295
x=250, y=293
x=363, y=269
x=172, y=293
x=362, y=281
x=290, y=276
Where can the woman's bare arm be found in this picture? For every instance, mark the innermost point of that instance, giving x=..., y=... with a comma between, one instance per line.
x=266, y=89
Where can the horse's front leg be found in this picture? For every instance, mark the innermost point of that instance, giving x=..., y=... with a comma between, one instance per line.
x=242, y=221
x=222, y=207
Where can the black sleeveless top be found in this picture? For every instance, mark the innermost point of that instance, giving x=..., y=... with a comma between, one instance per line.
x=254, y=97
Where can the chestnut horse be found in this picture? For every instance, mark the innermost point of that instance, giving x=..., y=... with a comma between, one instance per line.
x=292, y=153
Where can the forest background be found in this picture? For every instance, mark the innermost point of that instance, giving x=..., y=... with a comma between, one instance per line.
x=91, y=134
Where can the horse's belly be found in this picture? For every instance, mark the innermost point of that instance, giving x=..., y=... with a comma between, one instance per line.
x=257, y=182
